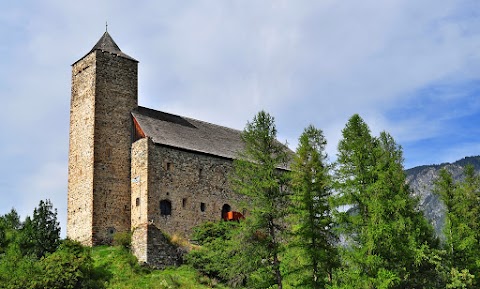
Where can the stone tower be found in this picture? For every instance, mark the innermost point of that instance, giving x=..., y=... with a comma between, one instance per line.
x=104, y=92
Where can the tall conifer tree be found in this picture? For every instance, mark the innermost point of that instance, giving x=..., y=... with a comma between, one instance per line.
x=385, y=235
x=311, y=214
x=41, y=234
x=259, y=174
x=462, y=237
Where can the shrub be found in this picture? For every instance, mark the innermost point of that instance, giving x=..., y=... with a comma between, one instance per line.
x=213, y=257
x=71, y=266
x=123, y=239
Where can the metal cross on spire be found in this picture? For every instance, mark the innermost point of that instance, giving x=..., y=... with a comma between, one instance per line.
x=106, y=26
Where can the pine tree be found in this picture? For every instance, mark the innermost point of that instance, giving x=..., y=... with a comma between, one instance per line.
x=461, y=229
x=445, y=187
x=12, y=220
x=259, y=174
x=9, y=225
x=3, y=236
x=387, y=239
x=41, y=233
x=403, y=234
x=355, y=176
x=311, y=214
x=470, y=210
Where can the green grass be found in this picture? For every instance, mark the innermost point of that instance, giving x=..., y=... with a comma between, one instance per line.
x=121, y=270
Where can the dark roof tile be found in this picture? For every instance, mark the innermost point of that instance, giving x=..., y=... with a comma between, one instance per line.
x=188, y=133
x=107, y=44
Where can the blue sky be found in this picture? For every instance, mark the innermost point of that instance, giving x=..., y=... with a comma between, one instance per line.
x=409, y=67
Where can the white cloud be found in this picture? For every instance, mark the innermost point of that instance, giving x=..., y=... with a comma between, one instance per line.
x=303, y=61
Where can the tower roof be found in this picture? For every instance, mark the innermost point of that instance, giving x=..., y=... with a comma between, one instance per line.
x=107, y=44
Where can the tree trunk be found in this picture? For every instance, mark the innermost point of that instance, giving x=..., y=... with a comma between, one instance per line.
x=276, y=262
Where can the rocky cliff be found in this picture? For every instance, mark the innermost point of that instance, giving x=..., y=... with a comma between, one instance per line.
x=421, y=180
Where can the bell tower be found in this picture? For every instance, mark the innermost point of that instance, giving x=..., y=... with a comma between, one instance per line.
x=104, y=92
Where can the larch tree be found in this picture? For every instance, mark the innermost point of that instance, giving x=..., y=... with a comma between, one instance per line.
x=355, y=175
x=383, y=231
x=260, y=174
x=462, y=237
x=445, y=187
x=401, y=232
x=311, y=217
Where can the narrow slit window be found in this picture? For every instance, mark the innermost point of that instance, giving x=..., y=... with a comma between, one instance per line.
x=203, y=207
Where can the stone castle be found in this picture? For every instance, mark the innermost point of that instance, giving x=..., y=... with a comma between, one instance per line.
x=136, y=169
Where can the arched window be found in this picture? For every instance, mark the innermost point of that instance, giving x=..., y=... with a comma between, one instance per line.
x=165, y=208
x=225, y=209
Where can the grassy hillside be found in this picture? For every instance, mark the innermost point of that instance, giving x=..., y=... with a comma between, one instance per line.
x=122, y=271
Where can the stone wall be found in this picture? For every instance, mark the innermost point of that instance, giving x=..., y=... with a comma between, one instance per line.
x=104, y=92
x=174, y=190
x=160, y=252
x=196, y=186
x=139, y=198
x=80, y=159
x=116, y=91
x=115, y=186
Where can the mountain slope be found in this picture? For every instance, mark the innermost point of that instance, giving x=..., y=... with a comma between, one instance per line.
x=421, y=180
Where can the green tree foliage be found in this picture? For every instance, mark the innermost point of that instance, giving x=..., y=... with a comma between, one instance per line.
x=41, y=234
x=31, y=256
x=123, y=239
x=3, y=237
x=258, y=174
x=214, y=256
x=18, y=271
x=311, y=215
x=461, y=230
x=12, y=220
x=9, y=225
x=400, y=230
x=71, y=266
x=388, y=242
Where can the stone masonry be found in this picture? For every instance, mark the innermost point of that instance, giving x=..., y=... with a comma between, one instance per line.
x=194, y=188
x=104, y=92
x=140, y=170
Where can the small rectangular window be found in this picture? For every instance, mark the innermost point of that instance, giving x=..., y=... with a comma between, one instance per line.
x=184, y=202
x=165, y=208
x=202, y=207
x=137, y=202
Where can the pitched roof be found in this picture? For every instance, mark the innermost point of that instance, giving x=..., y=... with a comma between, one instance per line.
x=188, y=133
x=107, y=44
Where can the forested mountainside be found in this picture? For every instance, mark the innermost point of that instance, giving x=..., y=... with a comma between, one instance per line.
x=421, y=180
